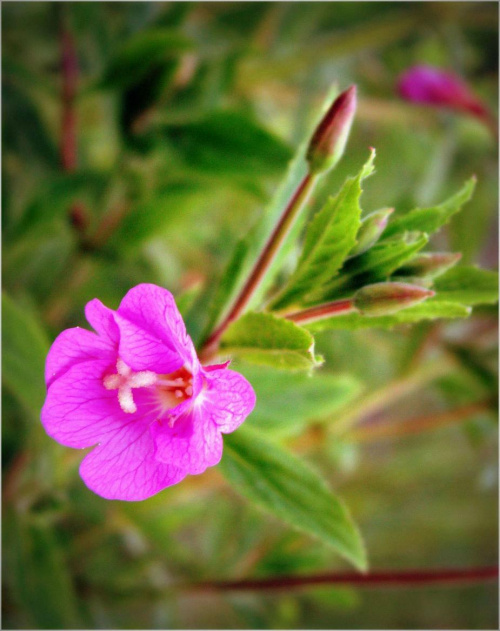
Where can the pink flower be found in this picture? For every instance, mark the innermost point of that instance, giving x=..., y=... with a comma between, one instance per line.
x=433, y=86
x=136, y=391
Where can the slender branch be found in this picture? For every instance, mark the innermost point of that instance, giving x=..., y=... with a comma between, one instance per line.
x=264, y=261
x=327, y=310
x=419, y=424
x=396, y=389
x=377, y=579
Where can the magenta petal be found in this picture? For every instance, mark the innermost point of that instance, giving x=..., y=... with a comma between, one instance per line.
x=229, y=399
x=73, y=346
x=125, y=469
x=79, y=412
x=101, y=318
x=193, y=443
x=142, y=350
x=153, y=309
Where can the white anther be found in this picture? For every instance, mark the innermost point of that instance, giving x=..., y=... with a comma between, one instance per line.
x=124, y=380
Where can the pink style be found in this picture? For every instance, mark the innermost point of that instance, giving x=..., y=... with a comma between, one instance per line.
x=136, y=392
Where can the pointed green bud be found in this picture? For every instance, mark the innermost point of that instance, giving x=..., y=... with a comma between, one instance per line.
x=429, y=265
x=372, y=226
x=386, y=298
x=328, y=142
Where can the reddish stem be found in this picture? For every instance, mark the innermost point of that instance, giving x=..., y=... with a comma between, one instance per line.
x=378, y=579
x=265, y=259
x=329, y=309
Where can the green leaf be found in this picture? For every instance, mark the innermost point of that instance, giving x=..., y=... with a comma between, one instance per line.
x=285, y=402
x=374, y=265
x=57, y=195
x=151, y=218
x=329, y=238
x=140, y=53
x=429, y=310
x=263, y=338
x=468, y=286
x=431, y=219
x=38, y=574
x=228, y=143
x=26, y=133
x=284, y=486
x=25, y=347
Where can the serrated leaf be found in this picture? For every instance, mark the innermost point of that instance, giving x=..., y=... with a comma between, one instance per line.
x=284, y=486
x=431, y=219
x=140, y=53
x=285, y=402
x=228, y=143
x=263, y=338
x=468, y=285
x=25, y=347
x=329, y=238
x=429, y=310
x=376, y=264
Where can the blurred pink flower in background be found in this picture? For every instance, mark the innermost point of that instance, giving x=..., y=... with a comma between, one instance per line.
x=136, y=392
x=440, y=88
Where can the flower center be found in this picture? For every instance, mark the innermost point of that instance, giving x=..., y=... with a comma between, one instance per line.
x=174, y=388
x=170, y=389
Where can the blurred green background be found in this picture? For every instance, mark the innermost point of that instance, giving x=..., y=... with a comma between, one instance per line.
x=185, y=117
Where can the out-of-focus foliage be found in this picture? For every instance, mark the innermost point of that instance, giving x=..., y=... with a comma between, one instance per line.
x=187, y=115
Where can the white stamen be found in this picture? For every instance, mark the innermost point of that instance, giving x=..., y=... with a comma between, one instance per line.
x=189, y=391
x=122, y=368
x=142, y=379
x=112, y=382
x=178, y=393
x=124, y=381
x=126, y=399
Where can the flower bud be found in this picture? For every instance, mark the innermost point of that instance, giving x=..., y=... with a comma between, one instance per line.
x=413, y=280
x=385, y=298
x=372, y=226
x=429, y=265
x=328, y=142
